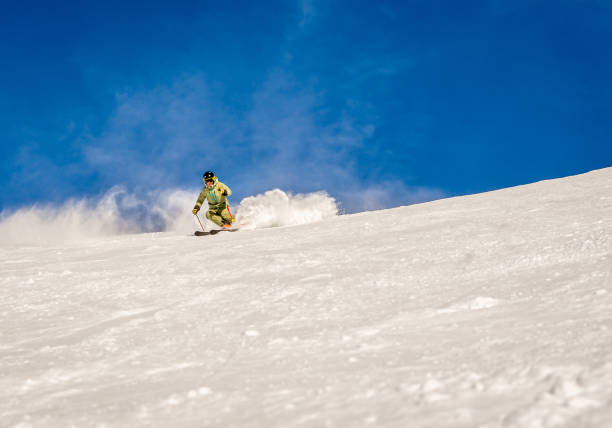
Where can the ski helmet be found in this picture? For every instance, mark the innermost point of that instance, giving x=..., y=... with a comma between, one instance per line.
x=208, y=175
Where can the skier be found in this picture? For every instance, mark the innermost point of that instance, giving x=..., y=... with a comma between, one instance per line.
x=216, y=194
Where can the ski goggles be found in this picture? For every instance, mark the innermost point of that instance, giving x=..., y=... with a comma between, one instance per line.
x=208, y=180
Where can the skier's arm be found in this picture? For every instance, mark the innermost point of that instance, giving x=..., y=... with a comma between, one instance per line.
x=200, y=201
x=226, y=190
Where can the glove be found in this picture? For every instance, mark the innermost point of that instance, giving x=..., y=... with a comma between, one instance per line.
x=224, y=193
x=195, y=210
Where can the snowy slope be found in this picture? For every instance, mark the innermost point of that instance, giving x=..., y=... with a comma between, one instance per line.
x=481, y=311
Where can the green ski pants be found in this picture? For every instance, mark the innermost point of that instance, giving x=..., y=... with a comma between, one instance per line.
x=217, y=214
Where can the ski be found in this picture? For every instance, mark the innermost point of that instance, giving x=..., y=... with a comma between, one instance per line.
x=213, y=232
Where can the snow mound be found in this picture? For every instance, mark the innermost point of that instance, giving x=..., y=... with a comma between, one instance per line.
x=277, y=208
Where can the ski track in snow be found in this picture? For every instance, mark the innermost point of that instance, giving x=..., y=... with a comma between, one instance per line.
x=491, y=310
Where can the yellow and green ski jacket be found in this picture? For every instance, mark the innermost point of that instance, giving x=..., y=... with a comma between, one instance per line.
x=214, y=195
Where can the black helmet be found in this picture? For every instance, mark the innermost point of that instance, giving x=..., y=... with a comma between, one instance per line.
x=208, y=176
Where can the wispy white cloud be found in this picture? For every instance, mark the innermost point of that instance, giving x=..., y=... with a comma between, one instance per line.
x=305, y=146
x=284, y=134
x=154, y=138
x=35, y=174
x=307, y=9
x=289, y=138
x=376, y=195
x=299, y=141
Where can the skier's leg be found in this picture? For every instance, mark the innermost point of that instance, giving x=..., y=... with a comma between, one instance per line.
x=214, y=217
x=227, y=216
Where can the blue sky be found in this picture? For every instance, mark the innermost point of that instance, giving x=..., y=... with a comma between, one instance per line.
x=380, y=103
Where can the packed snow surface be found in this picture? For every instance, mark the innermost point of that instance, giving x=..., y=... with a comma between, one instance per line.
x=491, y=310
